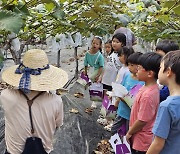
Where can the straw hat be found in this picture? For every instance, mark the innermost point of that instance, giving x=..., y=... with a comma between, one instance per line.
x=50, y=78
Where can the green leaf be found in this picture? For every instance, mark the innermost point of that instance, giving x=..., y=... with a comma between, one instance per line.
x=10, y=21
x=22, y=9
x=80, y=24
x=62, y=1
x=26, y=29
x=177, y=10
x=59, y=14
x=39, y=15
x=169, y=31
x=90, y=14
x=50, y=1
x=98, y=9
x=73, y=17
x=49, y=6
x=164, y=18
x=70, y=1
x=47, y=1
x=169, y=4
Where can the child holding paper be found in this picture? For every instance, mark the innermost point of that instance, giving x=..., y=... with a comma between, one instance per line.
x=123, y=55
x=146, y=103
x=113, y=64
x=95, y=59
x=129, y=81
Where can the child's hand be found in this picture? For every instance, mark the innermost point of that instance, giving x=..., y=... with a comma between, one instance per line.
x=110, y=97
x=116, y=107
x=117, y=102
x=128, y=136
x=99, y=79
x=121, y=99
x=84, y=72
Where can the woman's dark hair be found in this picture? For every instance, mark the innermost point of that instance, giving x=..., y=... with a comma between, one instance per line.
x=126, y=51
x=150, y=61
x=110, y=42
x=121, y=37
x=100, y=41
x=172, y=60
x=133, y=58
x=167, y=45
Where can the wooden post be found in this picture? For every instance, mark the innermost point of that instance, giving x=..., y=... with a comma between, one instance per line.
x=58, y=58
x=76, y=58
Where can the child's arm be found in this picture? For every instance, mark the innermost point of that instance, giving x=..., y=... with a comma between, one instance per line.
x=117, y=102
x=85, y=70
x=101, y=76
x=138, y=125
x=118, y=99
x=156, y=146
x=100, y=71
x=101, y=68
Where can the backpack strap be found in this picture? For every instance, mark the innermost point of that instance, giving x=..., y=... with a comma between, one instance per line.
x=97, y=58
x=30, y=102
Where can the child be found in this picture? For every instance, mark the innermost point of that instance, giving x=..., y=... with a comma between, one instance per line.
x=34, y=77
x=129, y=81
x=133, y=61
x=130, y=38
x=123, y=55
x=167, y=125
x=95, y=59
x=108, y=48
x=113, y=64
x=146, y=103
x=162, y=48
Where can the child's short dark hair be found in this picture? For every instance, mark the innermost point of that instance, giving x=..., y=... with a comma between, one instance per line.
x=167, y=45
x=150, y=61
x=133, y=58
x=126, y=51
x=121, y=37
x=172, y=60
x=108, y=42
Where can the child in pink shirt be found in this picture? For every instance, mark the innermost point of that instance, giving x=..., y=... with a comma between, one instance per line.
x=146, y=103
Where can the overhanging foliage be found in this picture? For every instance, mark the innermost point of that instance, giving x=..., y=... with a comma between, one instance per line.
x=147, y=18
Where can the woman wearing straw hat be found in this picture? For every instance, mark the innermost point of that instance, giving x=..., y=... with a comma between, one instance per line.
x=25, y=117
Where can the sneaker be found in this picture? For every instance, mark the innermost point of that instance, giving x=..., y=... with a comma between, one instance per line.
x=102, y=121
x=108, y=127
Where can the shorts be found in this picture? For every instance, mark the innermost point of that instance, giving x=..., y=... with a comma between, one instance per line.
x=138, y=152
x=120, y=126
